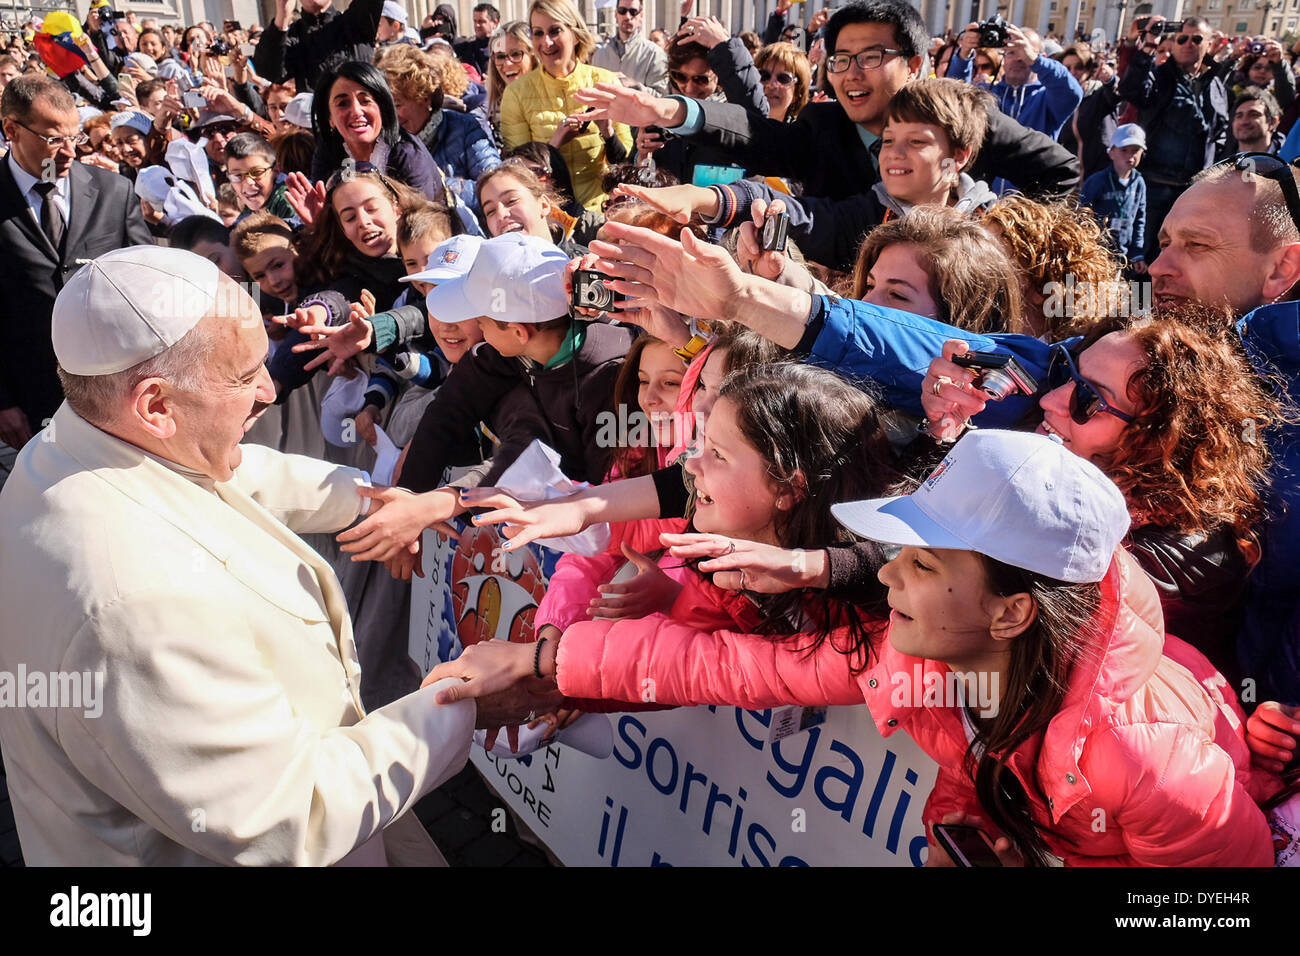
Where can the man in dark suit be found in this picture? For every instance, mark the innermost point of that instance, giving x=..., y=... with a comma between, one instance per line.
x=55, y=214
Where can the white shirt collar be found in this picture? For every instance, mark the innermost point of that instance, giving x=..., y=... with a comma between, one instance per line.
x=25, y=180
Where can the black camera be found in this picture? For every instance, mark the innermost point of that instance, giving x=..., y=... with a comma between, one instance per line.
x=590, y=292
x=1000, y=375
x=993, y=31
x=775, y=229
x=111, y=14
x=219, y=47
x=1167, y=28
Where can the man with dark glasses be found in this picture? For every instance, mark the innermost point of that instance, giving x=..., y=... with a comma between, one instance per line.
x=1183, y=106
x=629, y=52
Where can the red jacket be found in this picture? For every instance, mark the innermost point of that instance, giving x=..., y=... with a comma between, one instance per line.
x=1140, y=765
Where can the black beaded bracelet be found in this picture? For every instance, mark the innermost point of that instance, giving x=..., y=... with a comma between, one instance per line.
x=537, y=658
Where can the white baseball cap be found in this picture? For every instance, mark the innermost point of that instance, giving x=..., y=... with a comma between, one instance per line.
x=514, y=278
x=298, y=110
x=1129, y=134
x=451, y=259
x=153, y=183
x=129, y=305
x=142, y=123
x=1018, y=497
x=395, y=11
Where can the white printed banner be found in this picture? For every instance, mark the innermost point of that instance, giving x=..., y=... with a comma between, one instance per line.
x=691, y=786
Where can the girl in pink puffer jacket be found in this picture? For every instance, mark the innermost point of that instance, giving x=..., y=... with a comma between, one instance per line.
x=1106, y=744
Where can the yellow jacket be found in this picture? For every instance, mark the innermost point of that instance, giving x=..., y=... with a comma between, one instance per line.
x=531, y=111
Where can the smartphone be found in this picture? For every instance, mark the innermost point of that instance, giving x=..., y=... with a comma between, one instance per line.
x=968, y=846
x=247, y=49
x=706, y=174
x=194, y=100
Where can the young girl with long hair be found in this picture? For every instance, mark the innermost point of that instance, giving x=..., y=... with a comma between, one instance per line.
x=782, y=443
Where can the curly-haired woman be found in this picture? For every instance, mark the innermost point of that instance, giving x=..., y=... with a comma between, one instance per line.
x=1171, y=411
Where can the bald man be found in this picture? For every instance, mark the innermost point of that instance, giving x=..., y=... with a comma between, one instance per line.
x=208, y=705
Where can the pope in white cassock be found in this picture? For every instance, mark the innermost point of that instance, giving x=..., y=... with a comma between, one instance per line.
x=140, y=541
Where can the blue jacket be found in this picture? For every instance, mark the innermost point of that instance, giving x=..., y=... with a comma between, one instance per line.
x=1268, y=648
x=894, y=349
x=1119, y=207
x=462, y=150
x=1044, y=104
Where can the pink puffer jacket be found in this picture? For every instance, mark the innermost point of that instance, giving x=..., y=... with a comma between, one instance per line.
x=1140, y=766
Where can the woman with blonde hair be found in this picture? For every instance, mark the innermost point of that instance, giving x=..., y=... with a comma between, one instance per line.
x=786, y=76
x=510, y=57
x=540, y=106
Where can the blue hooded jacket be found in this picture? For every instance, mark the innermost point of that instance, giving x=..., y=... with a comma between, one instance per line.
x=1044, y=104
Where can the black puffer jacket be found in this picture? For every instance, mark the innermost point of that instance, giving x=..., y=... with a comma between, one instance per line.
x=562, y=406
x=302, y=50
x=1202, y=580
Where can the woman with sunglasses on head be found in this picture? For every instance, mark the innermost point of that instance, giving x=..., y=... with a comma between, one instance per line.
x=355, y=121
x=540, y=106
x=1170, y=412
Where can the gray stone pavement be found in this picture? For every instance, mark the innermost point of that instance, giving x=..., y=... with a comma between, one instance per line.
x=457, y=815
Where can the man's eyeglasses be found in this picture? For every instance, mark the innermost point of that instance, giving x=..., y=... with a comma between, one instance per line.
x=1086, y=401
x=699, y=79
x=785, y=79
x=515, y=56
x=1183, y=38
x=77, y=139
x=628, y=11
x=257, y=172
x=553, y=33
x=219, y=129
x=866, y=60
x=1273, y=167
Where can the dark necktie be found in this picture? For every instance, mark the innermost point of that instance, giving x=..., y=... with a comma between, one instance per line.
x=51, y=217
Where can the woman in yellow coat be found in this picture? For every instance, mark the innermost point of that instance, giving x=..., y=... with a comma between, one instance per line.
x=536, y=107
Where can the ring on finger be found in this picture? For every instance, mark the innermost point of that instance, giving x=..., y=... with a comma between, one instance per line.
x=731, y=548
x=934, y=389
x=742, y=579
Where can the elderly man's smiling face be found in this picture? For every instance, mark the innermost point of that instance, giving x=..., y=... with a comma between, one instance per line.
x=211, y=422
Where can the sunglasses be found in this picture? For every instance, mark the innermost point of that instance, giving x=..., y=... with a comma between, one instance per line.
x=1271, y=167
x=785, y=79
x=628, y=11
x=1183, y=38
x=699, y=79
x=1086, y=401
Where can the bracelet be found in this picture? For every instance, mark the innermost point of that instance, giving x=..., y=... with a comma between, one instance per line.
x=537, y=658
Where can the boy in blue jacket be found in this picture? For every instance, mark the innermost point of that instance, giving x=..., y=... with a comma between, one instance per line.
x=1118, y=196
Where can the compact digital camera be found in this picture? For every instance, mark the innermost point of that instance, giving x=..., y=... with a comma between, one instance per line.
x=590, y=292
x=999, y=375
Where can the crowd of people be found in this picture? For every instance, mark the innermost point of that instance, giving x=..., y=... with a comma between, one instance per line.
x=972, y=354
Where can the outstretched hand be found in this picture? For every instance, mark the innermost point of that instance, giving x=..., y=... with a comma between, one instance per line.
x=651, y=591
x=306, y=198
x=740, y=565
